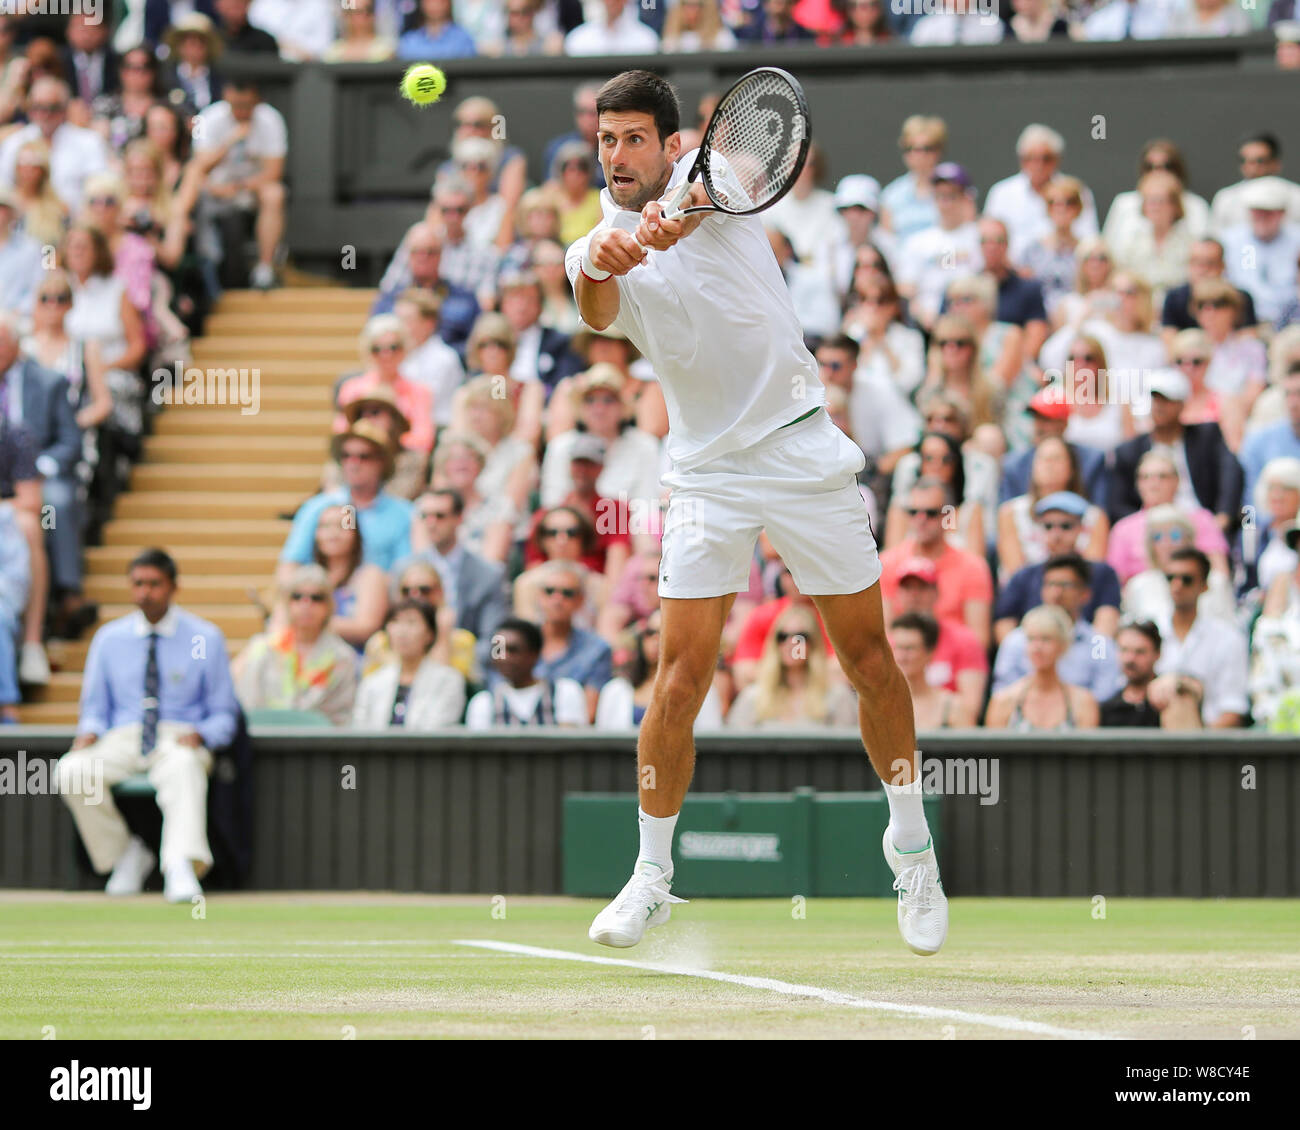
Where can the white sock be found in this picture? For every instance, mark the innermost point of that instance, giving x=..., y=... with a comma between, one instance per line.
x=656, y=838
x=908, y=828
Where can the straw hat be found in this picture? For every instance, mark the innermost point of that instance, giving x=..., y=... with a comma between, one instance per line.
x=196, y=23
x=372, y=434
x=379, y=394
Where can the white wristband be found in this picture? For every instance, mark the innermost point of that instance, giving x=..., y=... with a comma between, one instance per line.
x=591, y=270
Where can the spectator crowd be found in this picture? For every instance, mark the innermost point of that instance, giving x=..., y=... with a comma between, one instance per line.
x=1082, y=428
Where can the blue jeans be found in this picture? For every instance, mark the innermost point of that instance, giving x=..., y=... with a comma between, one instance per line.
x=8, y=658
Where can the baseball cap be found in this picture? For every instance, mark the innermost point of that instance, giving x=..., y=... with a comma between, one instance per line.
x=1049, y=404
x=1064, y=500
x=858, y=191
x=1169, y=383
x=922, y=568
x=588, y=447
x=1268, y=194
x=952, y=172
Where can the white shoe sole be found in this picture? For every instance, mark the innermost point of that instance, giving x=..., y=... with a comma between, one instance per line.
x=625, y=939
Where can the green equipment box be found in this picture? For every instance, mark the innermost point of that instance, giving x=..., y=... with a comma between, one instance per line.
x=754, y=845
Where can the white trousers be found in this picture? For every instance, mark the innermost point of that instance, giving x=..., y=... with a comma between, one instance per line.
x=179, y=774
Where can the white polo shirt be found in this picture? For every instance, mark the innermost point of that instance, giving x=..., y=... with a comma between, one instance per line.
x=713, y=315
x=1215, y=654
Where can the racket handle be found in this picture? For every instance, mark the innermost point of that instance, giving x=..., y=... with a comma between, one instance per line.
x=674, y=208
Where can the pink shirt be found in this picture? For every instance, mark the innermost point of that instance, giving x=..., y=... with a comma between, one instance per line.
x=1127, y=552
x=415, y=401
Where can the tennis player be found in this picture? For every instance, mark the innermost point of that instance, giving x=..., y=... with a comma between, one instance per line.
x=752, y=447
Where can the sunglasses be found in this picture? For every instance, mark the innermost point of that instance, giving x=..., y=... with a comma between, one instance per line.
x=1083, y=359
x=459, y=209
x=438, y=514
x=358, y=456
x=314, y=597
x=1181, y=578
x=559, y=531
x=477, y=166
x=1214, y=304
x=833, y=366
x=55, y=299
x=956, y=343
x=929, y=512
x=1197, y=361
x=475, y=123
x=391, y=347
x=786, y=637
x=941, y=456
x=551, y=590
x=940, y=418
x=104, y=201
x=417, y=590
x=1170, y=535
x=920, y=149
x=1064, y=527
x=1063, y=202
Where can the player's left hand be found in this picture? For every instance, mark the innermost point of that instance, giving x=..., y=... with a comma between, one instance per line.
x=654, y=231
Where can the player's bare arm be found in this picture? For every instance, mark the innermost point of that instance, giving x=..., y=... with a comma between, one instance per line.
x=615, y=251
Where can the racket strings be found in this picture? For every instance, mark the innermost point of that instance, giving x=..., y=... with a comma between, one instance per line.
x=758, y=133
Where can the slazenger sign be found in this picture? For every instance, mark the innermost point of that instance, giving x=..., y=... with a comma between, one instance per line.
x=752, y=847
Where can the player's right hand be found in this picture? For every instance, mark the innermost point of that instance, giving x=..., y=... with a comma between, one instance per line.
x=615, y=251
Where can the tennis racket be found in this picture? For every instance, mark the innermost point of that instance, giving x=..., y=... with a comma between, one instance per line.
x=754, y=146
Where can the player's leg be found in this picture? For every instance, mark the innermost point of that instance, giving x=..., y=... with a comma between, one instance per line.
x=689, y=635
x=855, y=623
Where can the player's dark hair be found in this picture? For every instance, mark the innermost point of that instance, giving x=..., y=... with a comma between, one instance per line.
x=427, y=612
x=154, y=559
x=1143, y=628
x=1191, y=553
x=1072, y=561
x=1263, y=137
x=928, y=626
x=642, y=92
x=526, y=630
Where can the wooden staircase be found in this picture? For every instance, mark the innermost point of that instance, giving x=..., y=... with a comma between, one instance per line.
x=213, y=481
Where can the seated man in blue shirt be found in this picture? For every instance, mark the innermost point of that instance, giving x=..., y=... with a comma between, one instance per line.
x=1091, y=661
x=569, y=651
x=156, y=699
x=1060, y=517
x=367, y=458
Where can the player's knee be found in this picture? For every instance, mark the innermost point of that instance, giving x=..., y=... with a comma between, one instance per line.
x=680, y=692
x=872, y=667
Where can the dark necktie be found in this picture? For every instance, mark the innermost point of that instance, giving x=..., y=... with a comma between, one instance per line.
x=149, y=720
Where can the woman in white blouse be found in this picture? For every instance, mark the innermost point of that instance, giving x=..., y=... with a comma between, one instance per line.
x=413, y=690
x=887, y=348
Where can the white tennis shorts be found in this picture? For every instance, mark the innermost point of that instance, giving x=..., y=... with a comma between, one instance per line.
x=800, y=484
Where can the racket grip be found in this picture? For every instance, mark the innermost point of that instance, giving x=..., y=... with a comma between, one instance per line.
x=674, y=208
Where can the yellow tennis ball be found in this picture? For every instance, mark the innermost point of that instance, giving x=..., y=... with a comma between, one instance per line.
x=423, y=84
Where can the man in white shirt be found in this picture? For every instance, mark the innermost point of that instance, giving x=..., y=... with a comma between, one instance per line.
x=430, y=361
x=302, y=28
x=75, y=153
x=1260, y=155
x=519, y=698
x=1131, y=19
x=618, y=32
x=857, y=200
x=1213, y=652
x=1262, y=254
x=753, y=449
x=240, y=145
x=936, y=255
x=1020, y=201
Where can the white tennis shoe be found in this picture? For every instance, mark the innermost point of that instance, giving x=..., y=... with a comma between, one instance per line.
x=922, y=905
x=132, y=868
x=644, y=902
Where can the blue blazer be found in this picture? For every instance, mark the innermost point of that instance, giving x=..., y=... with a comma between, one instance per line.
x=49, y=417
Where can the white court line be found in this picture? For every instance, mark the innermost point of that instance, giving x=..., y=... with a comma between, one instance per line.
x=63, y=958
x=212, y=942
x=830, y=996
